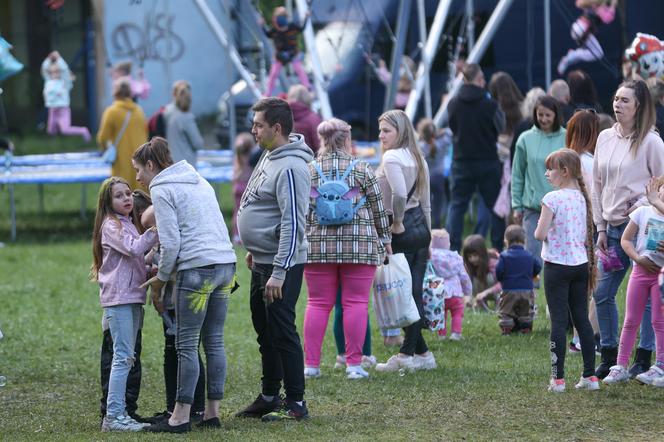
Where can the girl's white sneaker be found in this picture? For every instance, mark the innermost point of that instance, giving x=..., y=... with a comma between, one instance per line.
x=395, y=363
x=617, y=374
x=590, y=383
x=557, y=385
x=311, y=372
x=356, y=372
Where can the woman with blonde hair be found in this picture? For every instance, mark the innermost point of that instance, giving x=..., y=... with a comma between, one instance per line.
x=330, y=265
x=182, y=133
x=626, y=157
x=404, y=179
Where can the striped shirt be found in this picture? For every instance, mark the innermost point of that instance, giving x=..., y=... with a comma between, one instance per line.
x=360, y=241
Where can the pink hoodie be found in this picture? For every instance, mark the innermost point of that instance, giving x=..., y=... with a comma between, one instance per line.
x=123, y=267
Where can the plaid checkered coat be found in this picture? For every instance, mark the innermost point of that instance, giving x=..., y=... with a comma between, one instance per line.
x=360, y=241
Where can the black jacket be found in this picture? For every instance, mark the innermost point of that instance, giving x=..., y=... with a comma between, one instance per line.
x=475, y=120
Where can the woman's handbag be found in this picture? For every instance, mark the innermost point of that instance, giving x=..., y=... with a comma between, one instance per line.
x=393, y=294
x=110, y=154
x=416, y=235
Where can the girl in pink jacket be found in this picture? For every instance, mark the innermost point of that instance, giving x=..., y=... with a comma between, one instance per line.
x=120, y=268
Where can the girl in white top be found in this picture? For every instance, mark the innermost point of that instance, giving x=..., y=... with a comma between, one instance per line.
x=565, y=226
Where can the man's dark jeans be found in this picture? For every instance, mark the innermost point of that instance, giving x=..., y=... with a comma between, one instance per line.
x=468, y=177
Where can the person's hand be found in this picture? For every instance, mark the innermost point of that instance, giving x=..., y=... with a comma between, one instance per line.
x=382, y=64
x=647, y=264
x=602, y=243
x=273, y=289
x=388, y=249
x=518, y=217
x=260, y=21
x=155, y=285
x=249, y=259
x=660, y=246
x=398, y=228
x=651, y=191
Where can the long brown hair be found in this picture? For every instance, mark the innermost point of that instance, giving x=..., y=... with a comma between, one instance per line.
x=426, y=130
x=505, y=91
x=645, y=116
x=104, y=210
x=155, y=150
x=582, y=131
x=142, y=201
x=475, y=245
x=406, y=139
x=570, y=160
x=182, y=95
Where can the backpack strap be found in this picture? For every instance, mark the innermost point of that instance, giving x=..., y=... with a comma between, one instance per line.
x=319, y=170
x=412, y=190
x=348, y=170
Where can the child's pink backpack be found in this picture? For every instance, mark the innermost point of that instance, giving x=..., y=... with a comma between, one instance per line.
x=606, y=13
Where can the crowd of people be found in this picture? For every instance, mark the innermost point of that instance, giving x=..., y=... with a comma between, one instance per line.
x=559, y=190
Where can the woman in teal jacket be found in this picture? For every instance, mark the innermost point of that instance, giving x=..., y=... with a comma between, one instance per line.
x=528, y=182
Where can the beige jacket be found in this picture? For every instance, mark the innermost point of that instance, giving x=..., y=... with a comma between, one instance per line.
x=619, y=177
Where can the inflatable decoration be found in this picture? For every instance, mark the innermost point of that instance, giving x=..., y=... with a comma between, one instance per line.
x=646, y=54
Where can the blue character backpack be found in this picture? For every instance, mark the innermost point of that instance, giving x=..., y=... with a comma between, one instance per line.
x=334, y=197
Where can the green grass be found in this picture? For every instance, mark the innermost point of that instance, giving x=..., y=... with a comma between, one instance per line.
x=487, y=387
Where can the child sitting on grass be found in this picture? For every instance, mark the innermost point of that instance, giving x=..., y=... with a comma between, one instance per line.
x=480, y=264
x=515, y=270
x=119, y=267
x=449, y=265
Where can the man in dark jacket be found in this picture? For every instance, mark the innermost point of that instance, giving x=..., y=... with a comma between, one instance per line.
x=476, y=120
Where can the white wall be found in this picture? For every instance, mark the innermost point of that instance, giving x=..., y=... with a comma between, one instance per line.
x=176, y=42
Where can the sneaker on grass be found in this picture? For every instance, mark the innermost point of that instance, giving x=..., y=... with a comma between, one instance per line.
x=557, y=385
x=121, y=423
x=340, y=362
x=396, y=363
x=424, y=362
x=455, y=337
x=289, y=410
x=617, y=374
x=649, y=377
x=259, y=407
x=368, y=361
x=356, y=372
x=590, y=383
x=311, y=372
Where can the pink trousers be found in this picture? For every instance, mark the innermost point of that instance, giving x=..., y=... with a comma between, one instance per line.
x=322, y=282
x=276, y=68
x=455, y=305
x=60, y=118
x=641, y=286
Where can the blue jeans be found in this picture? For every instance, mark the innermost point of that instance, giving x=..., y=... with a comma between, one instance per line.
x=124, y=321
x=467, y=178
x=201, y=303
x=530, y=218
x=483, y=219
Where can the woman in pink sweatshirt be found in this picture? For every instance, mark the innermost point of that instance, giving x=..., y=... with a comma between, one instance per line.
x=626, y=156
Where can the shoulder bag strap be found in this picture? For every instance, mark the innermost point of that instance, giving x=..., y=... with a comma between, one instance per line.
x=123, y=128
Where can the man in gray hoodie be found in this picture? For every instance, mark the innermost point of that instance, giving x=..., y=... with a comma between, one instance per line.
x=271, y=221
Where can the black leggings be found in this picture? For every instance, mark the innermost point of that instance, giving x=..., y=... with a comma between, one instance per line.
x=413, y=342
x=566, y=290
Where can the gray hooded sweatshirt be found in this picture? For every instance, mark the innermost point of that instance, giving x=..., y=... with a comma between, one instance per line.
x=272, y=213
x=192, y=232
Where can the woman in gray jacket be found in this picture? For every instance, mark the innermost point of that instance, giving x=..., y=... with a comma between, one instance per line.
x=182, y=133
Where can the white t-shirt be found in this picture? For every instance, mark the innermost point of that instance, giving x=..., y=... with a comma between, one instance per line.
x=587, y=170
x=566, y=239
x=651, y=231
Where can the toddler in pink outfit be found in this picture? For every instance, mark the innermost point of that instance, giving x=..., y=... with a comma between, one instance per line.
x=449, y=265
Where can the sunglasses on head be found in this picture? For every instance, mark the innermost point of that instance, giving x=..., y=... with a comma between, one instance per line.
x=586, y=109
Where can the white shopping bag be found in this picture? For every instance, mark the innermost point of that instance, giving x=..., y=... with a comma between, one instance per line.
x=393, y=294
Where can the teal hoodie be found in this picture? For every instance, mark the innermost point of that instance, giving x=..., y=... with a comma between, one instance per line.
x=528, y=182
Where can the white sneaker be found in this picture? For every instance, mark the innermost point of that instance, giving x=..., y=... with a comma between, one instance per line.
x=557, y=385
x=617, y=374
x=659, y=382
x=424, y=362
x=455, y=337
x=369, y=361
x=120, y=423
x=311, y=372
x=649, y=377
x=590, y=383
x=340, y=362
x=395, y=363
x=356, y=372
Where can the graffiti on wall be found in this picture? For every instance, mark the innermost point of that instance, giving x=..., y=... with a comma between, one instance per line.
x=155, y=40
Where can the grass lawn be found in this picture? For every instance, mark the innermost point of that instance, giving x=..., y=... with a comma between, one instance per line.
x=486, y=387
